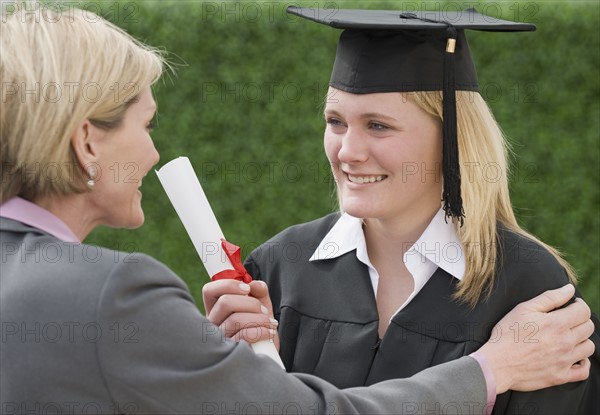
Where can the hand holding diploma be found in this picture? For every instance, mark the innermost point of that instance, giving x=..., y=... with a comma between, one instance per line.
x=242, y=311
x=220, y=258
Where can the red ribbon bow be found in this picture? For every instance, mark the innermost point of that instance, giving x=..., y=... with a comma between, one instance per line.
x=239, y=272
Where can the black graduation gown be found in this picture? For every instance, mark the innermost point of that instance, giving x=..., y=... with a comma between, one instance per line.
x=328, y=320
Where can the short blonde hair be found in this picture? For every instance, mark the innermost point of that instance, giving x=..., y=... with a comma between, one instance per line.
x=56, y=71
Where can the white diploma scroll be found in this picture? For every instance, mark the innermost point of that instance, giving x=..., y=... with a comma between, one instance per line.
x=187, y=196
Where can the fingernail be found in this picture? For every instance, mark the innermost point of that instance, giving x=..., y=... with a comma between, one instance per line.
x=245, y=287
x=274, y=322
x=264, y=309
x=272, y=332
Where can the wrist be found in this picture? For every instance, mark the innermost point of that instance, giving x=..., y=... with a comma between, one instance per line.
x=502, y=375
x=490, y=379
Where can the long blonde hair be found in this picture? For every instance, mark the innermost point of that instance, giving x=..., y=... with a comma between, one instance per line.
x=486, y=199
x=57, y=69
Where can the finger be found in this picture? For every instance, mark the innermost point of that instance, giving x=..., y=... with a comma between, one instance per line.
x=242, y=321
x=229, y=304
x=260, y=291
x=580, y=371
x=551, y=299
x=582, y=351
x=583, y=331
x=215, y=289
x=574, y=314
x=256, y=334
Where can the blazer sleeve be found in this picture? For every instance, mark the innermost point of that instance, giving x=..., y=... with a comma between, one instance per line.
x=162, y=356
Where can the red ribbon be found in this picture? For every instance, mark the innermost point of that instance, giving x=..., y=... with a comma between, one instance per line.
x=239, y=272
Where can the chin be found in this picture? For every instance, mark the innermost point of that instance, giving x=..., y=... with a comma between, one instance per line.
x=359, y=210
x=136, y=225
x=136, y=219
x=138, y=222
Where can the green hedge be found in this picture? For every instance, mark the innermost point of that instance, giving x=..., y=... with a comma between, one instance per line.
x=245, y=106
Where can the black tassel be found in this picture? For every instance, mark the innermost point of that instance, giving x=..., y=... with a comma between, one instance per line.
x=451, y=169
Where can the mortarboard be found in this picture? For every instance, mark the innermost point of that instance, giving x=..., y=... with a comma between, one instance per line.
x=393, y=51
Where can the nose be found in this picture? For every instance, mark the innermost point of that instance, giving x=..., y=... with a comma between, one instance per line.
x=155, y=156
x=353, y=147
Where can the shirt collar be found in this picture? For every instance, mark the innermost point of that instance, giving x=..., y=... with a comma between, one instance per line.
x=342, y=238
x=438, y=244
x=31, y=214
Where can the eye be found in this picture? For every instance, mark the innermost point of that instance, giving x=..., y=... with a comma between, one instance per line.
x=333, y=121
x=373, y=125
x=335, y=125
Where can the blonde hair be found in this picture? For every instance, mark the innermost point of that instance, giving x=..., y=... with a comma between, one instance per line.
x=58, y=69
x=486, y=200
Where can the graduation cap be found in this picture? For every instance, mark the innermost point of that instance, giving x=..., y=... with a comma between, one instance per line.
x=393, y=51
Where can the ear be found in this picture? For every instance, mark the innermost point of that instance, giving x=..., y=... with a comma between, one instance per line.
x=84, y=144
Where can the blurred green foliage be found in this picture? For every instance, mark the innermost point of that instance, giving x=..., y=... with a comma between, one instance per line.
x=245, y=106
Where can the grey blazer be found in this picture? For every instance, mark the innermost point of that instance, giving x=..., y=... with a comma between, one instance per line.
x=90, y=330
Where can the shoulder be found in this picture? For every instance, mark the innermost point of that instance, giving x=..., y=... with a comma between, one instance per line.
x=303, y=238
x=52, y=265
x=521, y=248
x=520, y=253
x=127, y=268
x=289, y=250
x=134, y=274
x=307, y=232
x=525, y=267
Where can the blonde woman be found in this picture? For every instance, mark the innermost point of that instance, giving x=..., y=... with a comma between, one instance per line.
x=87, y=329
x=421, y=262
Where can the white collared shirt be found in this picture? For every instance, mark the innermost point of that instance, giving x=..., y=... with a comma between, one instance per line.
x=438, y=246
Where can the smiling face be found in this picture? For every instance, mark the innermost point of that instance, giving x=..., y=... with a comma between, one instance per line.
x=385, y=153
x=125, y=155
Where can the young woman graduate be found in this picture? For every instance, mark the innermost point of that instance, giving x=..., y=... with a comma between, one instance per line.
x=425, y=255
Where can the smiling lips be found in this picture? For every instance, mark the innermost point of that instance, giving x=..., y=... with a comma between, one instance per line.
x=365, y=179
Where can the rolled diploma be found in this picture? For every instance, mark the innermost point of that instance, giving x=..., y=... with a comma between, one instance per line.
x=187, y=196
